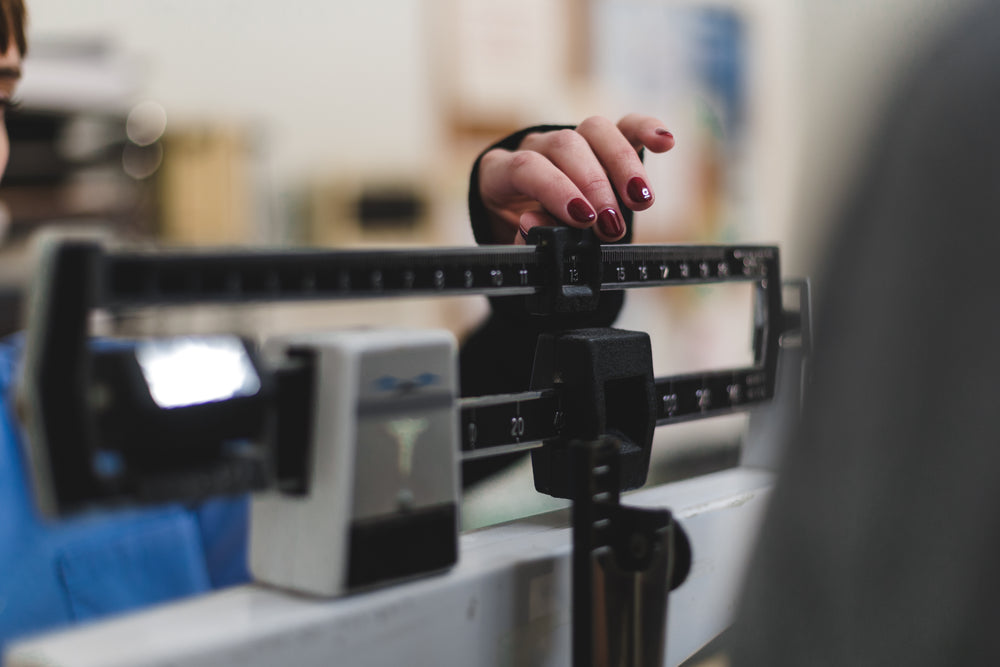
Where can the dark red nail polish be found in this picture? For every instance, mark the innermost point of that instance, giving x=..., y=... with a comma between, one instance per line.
x=664, y=132
x=638, y=190
x=580, y=211
x=610, y=223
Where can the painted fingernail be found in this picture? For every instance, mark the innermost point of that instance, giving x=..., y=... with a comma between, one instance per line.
x=638, y=190
x=664, y=132
x=580, y=211
x=610, y=223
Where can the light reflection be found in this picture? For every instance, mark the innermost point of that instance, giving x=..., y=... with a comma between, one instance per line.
x=141, y=162
x=191, y=371
x=146, y=123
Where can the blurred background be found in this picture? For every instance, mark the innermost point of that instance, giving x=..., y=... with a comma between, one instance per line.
x=349, y=123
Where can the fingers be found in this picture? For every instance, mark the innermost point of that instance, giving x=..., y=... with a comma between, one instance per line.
x=616, y=149
x=646, y=131
x=513, y=182
x=572, y=176
x=570, y=152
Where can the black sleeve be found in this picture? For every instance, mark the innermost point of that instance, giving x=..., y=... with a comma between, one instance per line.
x=497, y=357
x=881, y=543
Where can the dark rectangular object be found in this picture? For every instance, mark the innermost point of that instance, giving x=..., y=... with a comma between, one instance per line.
x=402, y=545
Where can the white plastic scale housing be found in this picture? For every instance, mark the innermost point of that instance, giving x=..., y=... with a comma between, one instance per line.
x=508, y=601
x=382, y=499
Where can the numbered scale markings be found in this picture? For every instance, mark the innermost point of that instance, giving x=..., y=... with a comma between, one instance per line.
x=132, y=279
x=506, y=423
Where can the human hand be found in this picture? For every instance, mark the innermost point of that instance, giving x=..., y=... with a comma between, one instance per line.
x=570, y=177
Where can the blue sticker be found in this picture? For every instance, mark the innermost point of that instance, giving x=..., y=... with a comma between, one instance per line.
x=391, y=383
x=427, y=379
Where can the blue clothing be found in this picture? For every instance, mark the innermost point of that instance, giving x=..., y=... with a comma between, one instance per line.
x=91, y=566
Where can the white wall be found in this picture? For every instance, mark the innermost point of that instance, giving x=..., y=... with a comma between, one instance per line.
x=853, y=51
x=330, y=80
x=820, y=72
x=338, y=82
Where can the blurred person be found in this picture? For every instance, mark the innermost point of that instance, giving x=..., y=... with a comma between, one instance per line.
x=881, y=542
x=97, y=564
x=91, y=566
x=12, y=41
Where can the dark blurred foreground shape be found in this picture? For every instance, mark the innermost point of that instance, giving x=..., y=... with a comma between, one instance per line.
x=882, y=543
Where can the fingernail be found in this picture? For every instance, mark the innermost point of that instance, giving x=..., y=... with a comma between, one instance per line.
x=664, y=132
x=524, y=234
x=638, y=190
x=610, y=223
x=580, y=211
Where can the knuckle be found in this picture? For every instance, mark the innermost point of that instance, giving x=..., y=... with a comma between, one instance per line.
x=492, y=158
x=596, y=184
x=626, y=155
x=521, y=160
x=563, y=139
x=532, y=140
x=630, y=119
x=594, y=124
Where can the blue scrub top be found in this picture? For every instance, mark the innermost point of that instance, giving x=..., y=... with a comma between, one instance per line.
x=92, y=566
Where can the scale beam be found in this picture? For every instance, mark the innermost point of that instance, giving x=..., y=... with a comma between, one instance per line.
x=67, y=377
